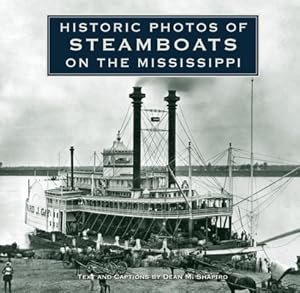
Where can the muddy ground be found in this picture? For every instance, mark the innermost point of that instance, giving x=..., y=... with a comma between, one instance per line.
x=49, y=276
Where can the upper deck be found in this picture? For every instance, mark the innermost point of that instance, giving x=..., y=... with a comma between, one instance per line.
x=172, y=205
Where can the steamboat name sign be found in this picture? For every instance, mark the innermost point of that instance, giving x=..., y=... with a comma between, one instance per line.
x=36, y=210
x=153, y=45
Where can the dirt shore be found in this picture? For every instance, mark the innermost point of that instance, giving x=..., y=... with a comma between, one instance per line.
x=48, y=276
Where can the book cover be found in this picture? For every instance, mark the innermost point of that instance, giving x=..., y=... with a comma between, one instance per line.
x=149, y=146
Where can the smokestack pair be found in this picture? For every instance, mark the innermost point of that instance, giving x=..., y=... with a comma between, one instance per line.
x=171, y=99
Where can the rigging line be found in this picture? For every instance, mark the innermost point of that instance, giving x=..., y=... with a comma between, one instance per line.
x=266, y=201
x=90, y=159
x=76, y=158
x=150, y=121
x=241, y=219
x=211, y=179
x=244, y=216
x=180, y=190
x=270, y=156
x=125, y=126
x=284, y=176
x=244, y=209
x=227, y=177
x=128, y=139
x=152, y=142
x=159, y=151
x=195, y=178
x=203, y=162
x=149, y=125
x=217, y=159
x=271, y=202
x=207, y=187
x=147, y=154
x=194, y=154
x=281, y=188
x=129, y=142
x=208, y=183
x=200, y=155
x=182, y=142
x=154, y=110
x=260, y=160
x=157, y=154
x=184, y=151
x=266, y=253
x=161, y=136
x=160, y=124
x=147, y=136
x=202, y=180
x=188, y=136
x=163, y=150
x=148, y=148
x=229, y=162
x=240, y=151
x=271, y=192
x=290, y=241
x=240, y=227
x=99, y=160
x=208, y=160
x=129, y=106
x=182, y=158
x=147, y=139
x=275, y=190
x=205, y=183
x=239, y=157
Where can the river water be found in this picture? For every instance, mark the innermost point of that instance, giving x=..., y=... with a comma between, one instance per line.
x=276, y=211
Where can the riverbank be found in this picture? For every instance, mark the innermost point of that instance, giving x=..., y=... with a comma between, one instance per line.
x=49, y=276
x=215, y=171
x=38, y=276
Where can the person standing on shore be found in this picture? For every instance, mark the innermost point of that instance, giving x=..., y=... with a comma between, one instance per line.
x=260, y=264
x=268, y=265
x=7, y=273
x=91, y=275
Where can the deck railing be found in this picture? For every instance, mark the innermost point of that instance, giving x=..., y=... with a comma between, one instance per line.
x=196, y=213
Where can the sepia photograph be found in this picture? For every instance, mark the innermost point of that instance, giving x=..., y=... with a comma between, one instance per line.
x=149, y=146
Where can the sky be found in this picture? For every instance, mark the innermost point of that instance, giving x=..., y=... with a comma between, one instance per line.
x=41, y=116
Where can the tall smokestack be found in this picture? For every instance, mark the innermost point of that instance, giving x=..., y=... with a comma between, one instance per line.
x=72, y=167
x=137, y=97
x=172, y=100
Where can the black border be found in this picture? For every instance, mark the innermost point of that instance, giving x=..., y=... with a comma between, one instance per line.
x=256, y=17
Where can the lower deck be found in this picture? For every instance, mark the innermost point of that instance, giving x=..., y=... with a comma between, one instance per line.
x=185, y=231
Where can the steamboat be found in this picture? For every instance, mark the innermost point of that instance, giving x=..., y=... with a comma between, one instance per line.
x=126, y=201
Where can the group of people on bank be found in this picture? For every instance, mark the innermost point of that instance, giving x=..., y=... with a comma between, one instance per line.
x=250, y=263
